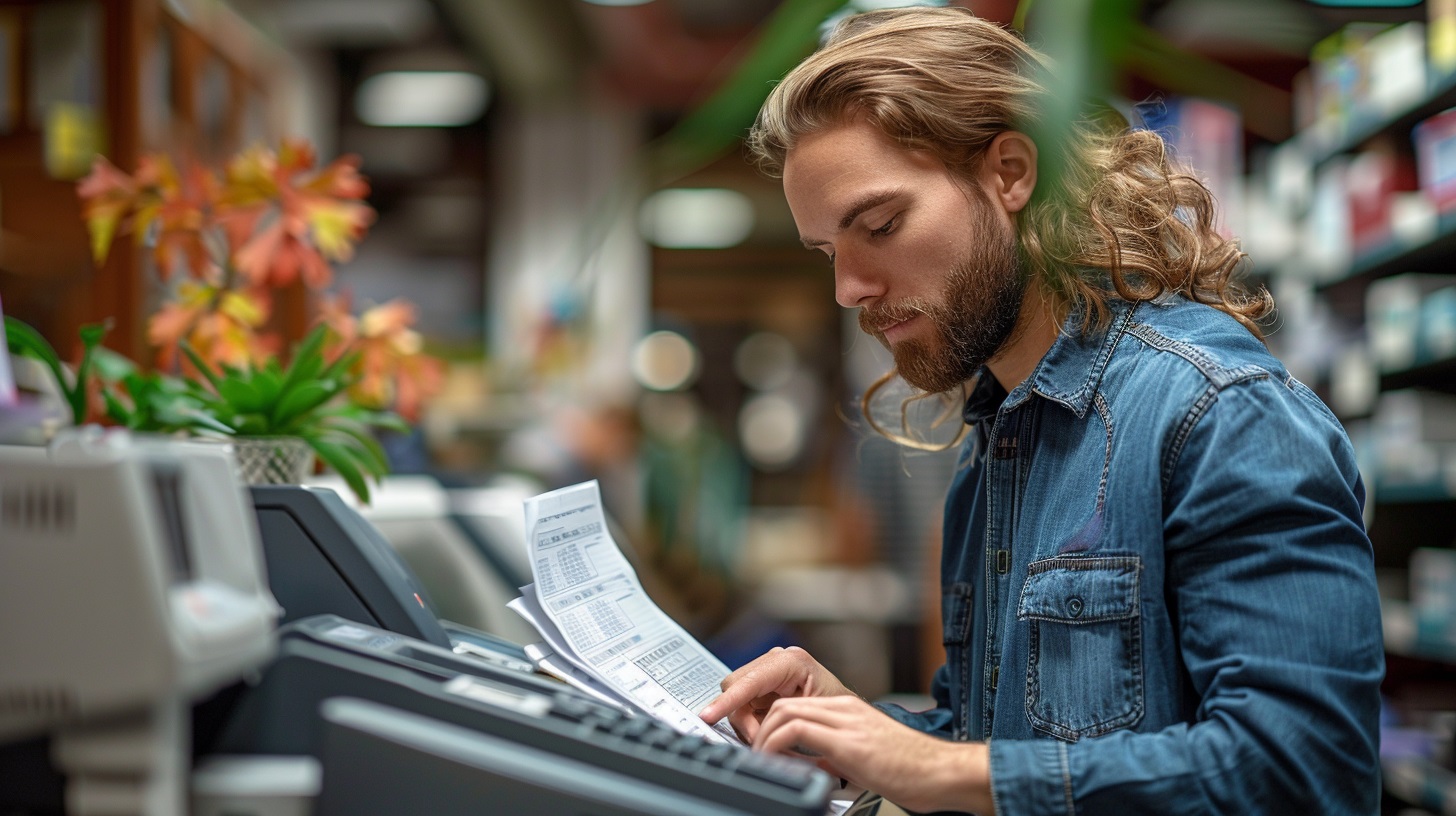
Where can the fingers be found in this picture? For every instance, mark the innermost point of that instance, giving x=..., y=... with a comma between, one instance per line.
x=832, y=712
x=778, y=672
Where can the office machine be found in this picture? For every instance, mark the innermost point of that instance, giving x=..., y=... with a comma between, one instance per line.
x=467, y=579
x=382, y=760
x=324, y=558
x=131, y=584
x=501, y=713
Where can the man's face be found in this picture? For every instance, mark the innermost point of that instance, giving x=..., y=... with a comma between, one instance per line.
x=930, y=260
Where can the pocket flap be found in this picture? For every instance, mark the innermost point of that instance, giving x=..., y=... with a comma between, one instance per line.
x=1081, y=588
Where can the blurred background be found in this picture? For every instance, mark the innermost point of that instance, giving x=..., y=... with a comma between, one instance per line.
x=615, y=293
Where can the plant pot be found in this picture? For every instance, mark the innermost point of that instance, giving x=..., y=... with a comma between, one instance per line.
x=273, y=459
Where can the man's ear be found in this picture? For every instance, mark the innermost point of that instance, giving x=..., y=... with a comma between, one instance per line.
x=1010, y=168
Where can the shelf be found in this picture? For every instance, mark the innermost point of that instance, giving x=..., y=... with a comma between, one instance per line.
x=1362, y=127
x=1436, y=375
x=1347, y=293
x=1424, y=493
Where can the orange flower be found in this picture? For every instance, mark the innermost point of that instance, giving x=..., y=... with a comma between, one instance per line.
x=221, y=325
x=106, y=195
x=285, y=221
x=394, y=372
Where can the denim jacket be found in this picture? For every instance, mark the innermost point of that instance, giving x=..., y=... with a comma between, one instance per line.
x=1158, y=595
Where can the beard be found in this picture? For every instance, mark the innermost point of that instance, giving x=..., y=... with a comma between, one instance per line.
x=972, y=320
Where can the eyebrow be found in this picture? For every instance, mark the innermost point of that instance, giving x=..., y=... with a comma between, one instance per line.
x=868, y=201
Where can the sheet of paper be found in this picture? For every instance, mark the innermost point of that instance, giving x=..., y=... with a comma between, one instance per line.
x=548, y=661
x=528, y=606
x=585, y=586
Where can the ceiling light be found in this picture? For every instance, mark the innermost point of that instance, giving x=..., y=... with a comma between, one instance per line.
x=696, y=218
x=422, y=98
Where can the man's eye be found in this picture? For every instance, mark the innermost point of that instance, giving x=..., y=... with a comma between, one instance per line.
x=888, y=228
x=831, y=261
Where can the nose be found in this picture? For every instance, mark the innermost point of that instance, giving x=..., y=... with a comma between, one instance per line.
x=855, y=283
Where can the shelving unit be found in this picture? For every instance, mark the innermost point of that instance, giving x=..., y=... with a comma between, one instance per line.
x=1421, y=665
x=1346, y=293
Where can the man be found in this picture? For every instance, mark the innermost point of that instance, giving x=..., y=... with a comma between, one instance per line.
x=1158, y=594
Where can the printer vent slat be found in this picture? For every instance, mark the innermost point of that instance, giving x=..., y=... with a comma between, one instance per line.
x=37, y=507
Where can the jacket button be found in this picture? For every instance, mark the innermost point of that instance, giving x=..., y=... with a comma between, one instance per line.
x=1074, y=606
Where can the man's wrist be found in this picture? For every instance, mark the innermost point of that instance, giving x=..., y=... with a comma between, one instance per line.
x=965, y=778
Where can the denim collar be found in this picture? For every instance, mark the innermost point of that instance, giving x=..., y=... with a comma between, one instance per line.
x=1068, y=374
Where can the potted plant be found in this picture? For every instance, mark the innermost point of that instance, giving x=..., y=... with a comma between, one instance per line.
x=268, y=220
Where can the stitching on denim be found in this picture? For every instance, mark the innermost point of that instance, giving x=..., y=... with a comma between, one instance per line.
x=1220, y=375
x=1066, y=778
x=1185, y=428
x=1206, y=365
x=994, y=500
x=1106, y=413
x=1073, y=401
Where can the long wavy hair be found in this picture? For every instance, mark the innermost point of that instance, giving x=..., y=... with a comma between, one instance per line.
x=1117, y=219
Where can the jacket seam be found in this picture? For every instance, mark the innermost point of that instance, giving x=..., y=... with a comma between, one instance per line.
x=1106, y=413
x=1217, y=374
x=1066, y=779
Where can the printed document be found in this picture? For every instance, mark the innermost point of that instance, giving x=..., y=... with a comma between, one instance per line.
x=594, y=615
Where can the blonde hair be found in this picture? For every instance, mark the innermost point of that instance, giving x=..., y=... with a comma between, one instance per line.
x=947, y=82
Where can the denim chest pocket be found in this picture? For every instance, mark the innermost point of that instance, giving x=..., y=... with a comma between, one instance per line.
x=1084, y=673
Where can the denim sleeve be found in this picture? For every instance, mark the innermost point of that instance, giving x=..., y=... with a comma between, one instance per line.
x=1271, y=584
x=935, y=721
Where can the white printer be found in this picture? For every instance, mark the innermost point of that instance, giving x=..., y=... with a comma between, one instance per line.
x=131, y=584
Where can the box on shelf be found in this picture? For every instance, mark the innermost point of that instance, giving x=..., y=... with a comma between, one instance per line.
x=1393, y=312
x=1441, y=35
x=1413, y=442
x=1374, y=180
x=1340, y=65
x=1396, y=63
x=1437, y=335
x=1435, y=142
x=1433, y=599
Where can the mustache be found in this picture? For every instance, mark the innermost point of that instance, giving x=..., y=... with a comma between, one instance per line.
x=874, y=319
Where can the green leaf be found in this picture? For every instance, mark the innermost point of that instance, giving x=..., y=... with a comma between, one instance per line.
x=193, y=418
x=375, y=461
x=308, y=358
x=200, y=365
x=242, y=394
x=293, y=409
x=91, y=336
x=116, y=410
x=246, y=423
x=22, y=339
x=340, y=368
x=268, y=386
x=110, y=366
x=382, y=420
x=339, y=457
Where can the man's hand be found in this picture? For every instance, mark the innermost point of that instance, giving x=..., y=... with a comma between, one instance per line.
x=856, y=741
x=752, y=689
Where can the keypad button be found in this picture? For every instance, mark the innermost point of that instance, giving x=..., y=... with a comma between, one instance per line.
x=659, y=736
x=717, y=755
x=686, y=745
x=632, y=727
x=786, y=772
